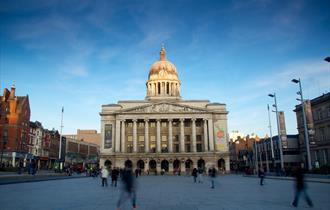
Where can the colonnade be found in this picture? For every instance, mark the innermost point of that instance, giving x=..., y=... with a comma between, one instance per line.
x=121, y=139
x=163, y=88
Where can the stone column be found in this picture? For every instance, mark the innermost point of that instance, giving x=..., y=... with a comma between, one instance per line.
x=182, y=143
x=158, y=146
x=134, y=136
x=117, y=144
x=123, y=143
x=211, y=140
x=146, y=136
x=194, y=149
x=170, y=136
x=206, y=145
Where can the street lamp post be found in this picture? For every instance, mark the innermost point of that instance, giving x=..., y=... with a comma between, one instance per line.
x=309, y=162
x=60, y=146
x=271, y=137
x=278, y=130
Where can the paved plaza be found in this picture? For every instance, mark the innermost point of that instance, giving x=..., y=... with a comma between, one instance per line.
x=161, y=193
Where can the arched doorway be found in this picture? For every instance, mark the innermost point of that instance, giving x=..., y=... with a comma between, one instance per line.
x=221, y=164
x=140, y=164
x=188, y=165
x=164, y=165
x=152, y=165
x=201, y=163
x=107, y=163
x=128, y=163
x=176, y=164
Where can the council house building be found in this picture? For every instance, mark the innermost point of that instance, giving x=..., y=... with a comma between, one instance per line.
x=163, y=132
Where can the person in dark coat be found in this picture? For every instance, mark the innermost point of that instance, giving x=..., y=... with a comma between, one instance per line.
x=128, y=189
x=300, y=187
x=194, y=174
x=261, y=174
x=114, y=176
x=212, y=174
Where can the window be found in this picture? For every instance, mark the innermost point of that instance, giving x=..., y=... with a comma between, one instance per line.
x=328, y=111
x=199, y=138
x=198, y=123
x=175, y=124
x=176, y=148
x=141, y=124
x=163, y=124
x=153, y=144
x=322, y=134
x=319, y=114
x=187, y=138
x=176, y=138
x=187, y=148
x=129, y=124
x=199, y=147
x=187, y=123
x=152, y=124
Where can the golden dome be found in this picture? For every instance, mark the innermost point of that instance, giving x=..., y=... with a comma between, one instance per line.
x=163, y=69
x=163, y=81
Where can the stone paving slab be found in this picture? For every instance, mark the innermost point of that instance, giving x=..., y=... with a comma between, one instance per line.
x=161, y=193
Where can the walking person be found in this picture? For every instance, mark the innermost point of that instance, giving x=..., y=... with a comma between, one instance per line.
x=212, y=174
x=300, y=187
x=128, y=190
x=20, y=167
x=261, y=174
x=200, y=175
x=114, y=176
x=194, y=174
x=104, y=176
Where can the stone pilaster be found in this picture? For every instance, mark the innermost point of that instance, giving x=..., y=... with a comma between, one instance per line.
x=194, y=149
x=182, y=143
x=117, y=143
x=170, y=136
x=123, y=142
x=134, y=136
x=206, y=144
x=211, y=139
x=146, y=136
x=158, y=146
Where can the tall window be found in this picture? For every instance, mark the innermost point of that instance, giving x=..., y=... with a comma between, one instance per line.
x=153, y=144
x=158, y=87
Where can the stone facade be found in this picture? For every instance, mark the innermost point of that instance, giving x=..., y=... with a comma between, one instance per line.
x=164, y=132
x=318, y=124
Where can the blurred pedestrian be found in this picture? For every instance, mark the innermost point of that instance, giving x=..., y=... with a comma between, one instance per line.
x=104, y=176
x=300, y=187
x=194, y=174
x=20, y=167
x=261, y=174
x=114, y=176
x=136, y=173
x=128, y=190
x=212, y=174
x=200, y=175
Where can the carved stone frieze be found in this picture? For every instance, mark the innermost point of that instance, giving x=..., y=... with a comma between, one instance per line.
x=164, y=108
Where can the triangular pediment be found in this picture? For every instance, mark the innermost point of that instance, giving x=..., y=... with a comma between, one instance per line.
x=163, y=107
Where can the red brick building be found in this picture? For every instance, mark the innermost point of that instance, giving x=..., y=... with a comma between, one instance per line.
x=14, y=125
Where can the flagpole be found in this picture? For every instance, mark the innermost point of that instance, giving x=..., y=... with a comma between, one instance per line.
x=60, y=147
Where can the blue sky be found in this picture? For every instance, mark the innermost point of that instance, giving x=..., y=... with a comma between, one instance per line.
x=82, y=54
